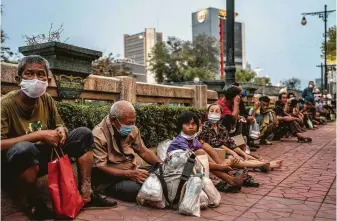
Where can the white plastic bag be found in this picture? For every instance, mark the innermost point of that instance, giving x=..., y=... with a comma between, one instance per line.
x=203, y=200
x=254, y=130
x=162, y=149
x=157, y=205
x=151, y=189
x=202, y=165
x=213, y=194
x=190, y=205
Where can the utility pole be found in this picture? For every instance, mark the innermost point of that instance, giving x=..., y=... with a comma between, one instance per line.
x=324, y=15
x=230, y=64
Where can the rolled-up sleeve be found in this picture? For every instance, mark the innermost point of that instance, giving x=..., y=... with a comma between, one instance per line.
x=100, y=151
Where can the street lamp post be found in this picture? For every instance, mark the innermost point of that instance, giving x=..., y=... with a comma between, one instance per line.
x=230, y=65
x=324, y=15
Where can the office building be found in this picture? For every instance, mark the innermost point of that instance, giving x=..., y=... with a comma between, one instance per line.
x=139, y=46
x=207, y=22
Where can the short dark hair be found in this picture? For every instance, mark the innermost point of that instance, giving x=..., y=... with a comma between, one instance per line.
x=232, y=92
x=291, y=93
x=264, y=99
x=236, y=84
x=280, y=95
x=228, y=122
x=32, y=59
x=293, y=103
x=185, y=117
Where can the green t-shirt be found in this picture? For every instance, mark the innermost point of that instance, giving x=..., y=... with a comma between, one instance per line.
x=17, y=121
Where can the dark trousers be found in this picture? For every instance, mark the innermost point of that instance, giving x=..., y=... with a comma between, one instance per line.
x=24, y=155
x=117, y=187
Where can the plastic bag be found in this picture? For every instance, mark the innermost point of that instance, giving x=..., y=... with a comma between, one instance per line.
x=190, y=205
x=157, y=205
x=162, y=149
x=254, y=131
x=202, y=165
x=151, y=189
x=203, y=200
x=213, y=194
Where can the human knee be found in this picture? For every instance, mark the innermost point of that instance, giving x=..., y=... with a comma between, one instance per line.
x=23, y=150
x=200, y=152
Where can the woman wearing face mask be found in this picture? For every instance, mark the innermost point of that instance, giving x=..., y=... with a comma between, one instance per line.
x=216, y=135
x=188, y=122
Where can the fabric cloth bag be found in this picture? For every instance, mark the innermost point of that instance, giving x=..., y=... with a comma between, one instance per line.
x=66, y=199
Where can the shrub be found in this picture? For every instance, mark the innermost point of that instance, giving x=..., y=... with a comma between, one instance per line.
x=156, y=123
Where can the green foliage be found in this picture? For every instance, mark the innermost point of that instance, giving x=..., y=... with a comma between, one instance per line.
x=292, y=83
x=262, y=80
x=156, y=123
x=331, y=44
x=109, y=67
x=244, y=75
x=177, y=60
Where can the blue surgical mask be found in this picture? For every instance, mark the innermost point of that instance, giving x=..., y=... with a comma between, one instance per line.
x=125, y=130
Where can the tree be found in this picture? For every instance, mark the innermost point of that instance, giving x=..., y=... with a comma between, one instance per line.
x=107, y=66
x=244, y=75
x=262, y=80
x=6, y=52
x=53, y=35
x=331, y=44
x=292, y=83
x=177, y=60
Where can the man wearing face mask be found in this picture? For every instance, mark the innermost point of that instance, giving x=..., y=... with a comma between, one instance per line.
x=30, y=127
x=116, y=164
x=308, y=93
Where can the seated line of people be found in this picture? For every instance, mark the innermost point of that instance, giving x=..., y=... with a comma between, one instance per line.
x=108, y=157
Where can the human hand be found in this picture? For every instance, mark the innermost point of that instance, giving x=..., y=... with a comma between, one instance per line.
x=138, y=175
x=256, y=105
x=62, y=132
x=50, y=137
x=237, y=99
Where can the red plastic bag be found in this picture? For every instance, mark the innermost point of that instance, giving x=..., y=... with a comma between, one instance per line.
x=66, y=199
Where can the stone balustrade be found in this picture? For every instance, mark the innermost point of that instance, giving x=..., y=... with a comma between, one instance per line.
x=113, y=88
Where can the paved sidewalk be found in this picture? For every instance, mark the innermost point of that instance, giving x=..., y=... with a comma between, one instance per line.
x=304, y=189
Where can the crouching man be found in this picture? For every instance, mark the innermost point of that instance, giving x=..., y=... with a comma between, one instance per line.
x=30, y=127
x=118, y=144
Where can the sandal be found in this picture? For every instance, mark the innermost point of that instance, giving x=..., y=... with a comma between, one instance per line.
x=227, y=188
x=304, y=140
x=265, y=142
x=249, y=182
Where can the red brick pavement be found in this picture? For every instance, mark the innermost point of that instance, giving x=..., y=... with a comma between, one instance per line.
x=304, y=189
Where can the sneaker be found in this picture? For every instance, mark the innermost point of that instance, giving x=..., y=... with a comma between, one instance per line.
x=100, y=200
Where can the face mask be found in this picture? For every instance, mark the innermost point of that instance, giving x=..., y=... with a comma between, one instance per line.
x=213, y=118
x=125, y=130
x=34, y=88
x=187, y=137
x=310, y=86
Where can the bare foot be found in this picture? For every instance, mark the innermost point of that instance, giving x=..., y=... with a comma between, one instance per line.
x=276, y=164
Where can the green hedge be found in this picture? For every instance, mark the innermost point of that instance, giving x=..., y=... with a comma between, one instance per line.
x=156, y=123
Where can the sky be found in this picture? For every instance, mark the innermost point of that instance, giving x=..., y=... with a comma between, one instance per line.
x=275, y=39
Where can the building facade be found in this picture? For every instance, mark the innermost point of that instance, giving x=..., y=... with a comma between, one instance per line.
x=207, y=22
x=139, y=46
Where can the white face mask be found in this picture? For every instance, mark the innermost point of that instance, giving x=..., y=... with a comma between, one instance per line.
x=213, y=118
x=187, y=137
x=34, y=88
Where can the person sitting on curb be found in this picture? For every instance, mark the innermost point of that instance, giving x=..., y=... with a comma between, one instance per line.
x=118, y=146
x=266, y=119
x=216, y=136
x=188, y=122
x=287, y=122
x=30, y=127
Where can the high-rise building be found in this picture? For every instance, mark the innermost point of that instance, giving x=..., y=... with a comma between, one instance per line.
x=207, y=22
x=139, y=46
